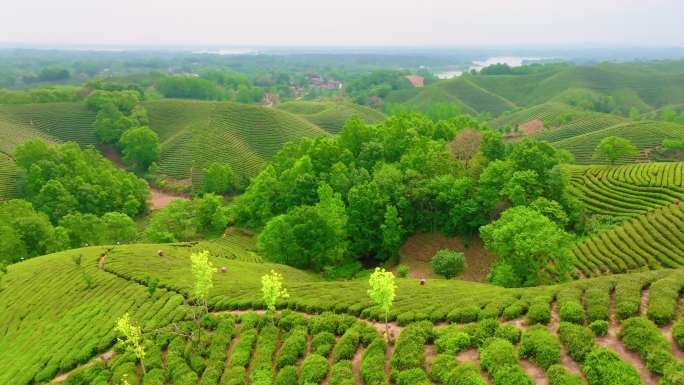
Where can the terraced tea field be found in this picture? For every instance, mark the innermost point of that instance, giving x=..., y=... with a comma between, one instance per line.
x=196, y=133
x=629, y=190
x=649, y=241
x=439, y=329
x=8, y=177
x=646, y=136
x=57, y=122
x=331, y=116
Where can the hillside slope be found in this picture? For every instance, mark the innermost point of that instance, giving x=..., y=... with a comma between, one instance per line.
x=8, y=177
x=192, y=133
x=646, y=136
x=196, y=133
x=652, y=240
x=331, y=116
x=629, y=190
x=51, y=321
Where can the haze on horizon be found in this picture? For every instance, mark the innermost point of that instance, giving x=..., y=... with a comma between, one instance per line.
x=343, y=23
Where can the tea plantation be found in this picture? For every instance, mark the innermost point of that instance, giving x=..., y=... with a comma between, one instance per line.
x=443, y=331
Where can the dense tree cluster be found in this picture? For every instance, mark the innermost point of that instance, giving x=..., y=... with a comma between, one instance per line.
x=190, y=87
x=184, y=220
x=369, y=88
x=394, y=179
x=26, y=232
x=122, y=121
x=66, y=179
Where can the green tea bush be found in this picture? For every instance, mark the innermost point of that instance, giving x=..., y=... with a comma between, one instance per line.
x=451, y=340
x=342, y=374
x=597, y=300
x=415, y=376
x=539, y=312
x=242, y=350
x=508, y=332
x=347, y=345
x=402, y=271
x=640, y=334
x=442, y=365
x=572, y=311
x=602, y=366
x=578, y=340
x=261, y=377
x=516, y=309
x=262, y=359
x=236, y=375
x=287, y=376
x=464, y=314
x=497, y=353
x=330, y=322
x=540, y=346
x=289, y=319
x=292, y=348
x=485, y=329
x=373, y=363
x=599, y=327
x=511, y=375
x=678, y=333
x=409, y=352
x=663, y=295
x=323, y=343
x=558, y=375
x=465, y=374
x=673, y=374
x=249, y=320
x=156, y=377
x=314, y=369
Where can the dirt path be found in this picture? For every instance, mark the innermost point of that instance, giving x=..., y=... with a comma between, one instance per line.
x=104, y=357
x=388, y=363
x=356, y=365
x=231, y=345
x=554, y=323
x=536, y=373
x=676, y=351
x=643, y=307
x=430, y=353
x=472, y=356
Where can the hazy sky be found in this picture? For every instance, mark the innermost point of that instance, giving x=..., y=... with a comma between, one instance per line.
x=343, y=22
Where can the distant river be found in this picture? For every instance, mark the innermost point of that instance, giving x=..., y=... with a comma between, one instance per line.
x=513, y=61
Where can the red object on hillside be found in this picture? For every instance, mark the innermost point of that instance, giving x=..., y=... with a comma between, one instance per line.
x=422, y=282
x=160, y=253
x=416, y=81
x=677, y=203
x=223, y=269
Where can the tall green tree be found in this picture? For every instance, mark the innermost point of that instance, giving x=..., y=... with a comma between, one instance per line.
x=133, y=339
x=140, y=146
x=530, y=245
x=203, y=276
x=392, y=232
x=219, y=178
x=272, y=290
x=613, y=148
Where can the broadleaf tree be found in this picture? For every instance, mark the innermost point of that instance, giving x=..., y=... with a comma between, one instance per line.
x=272, y=290
x=382, y=291
x=133, y=339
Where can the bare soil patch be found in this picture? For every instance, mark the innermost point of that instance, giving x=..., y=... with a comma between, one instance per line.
x=418, y=250
x=472, y=356
x=536, y=373
x=160, y=199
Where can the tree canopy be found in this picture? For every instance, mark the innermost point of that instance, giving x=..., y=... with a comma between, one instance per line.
x=613, y=148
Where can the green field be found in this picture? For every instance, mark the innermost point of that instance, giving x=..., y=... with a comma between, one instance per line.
x=331, y=116
x=646, y=136
x=649, y=241
x=8, y=177
x=629, y=190
x=63, y=312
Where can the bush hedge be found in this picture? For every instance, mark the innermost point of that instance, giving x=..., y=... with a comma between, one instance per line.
x=442, y=365
x=508, y=332
x=314, y=369
x=414, y=376
x=347, y=345
x=451, y=340
x=342, y=374
x=663, y=296
x=292, y=348
x=465, y=374
x=602, y=366
x=578, y=340
x=538, y=345
x=558, y=375
x=599, y=327
x=287, y=376
x=373, y=363
x=539, y=312
x=678, y=333
x=642, y=336
x=323, y=343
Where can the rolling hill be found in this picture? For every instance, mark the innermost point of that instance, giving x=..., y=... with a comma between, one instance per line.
x=629, y=190
x=646, y=136
x=68, y=322
x=331, y=116
x=8, y=177
x=192, y=133
x=652, y=240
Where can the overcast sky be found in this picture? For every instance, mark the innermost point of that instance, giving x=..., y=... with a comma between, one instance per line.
x=343, y=22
